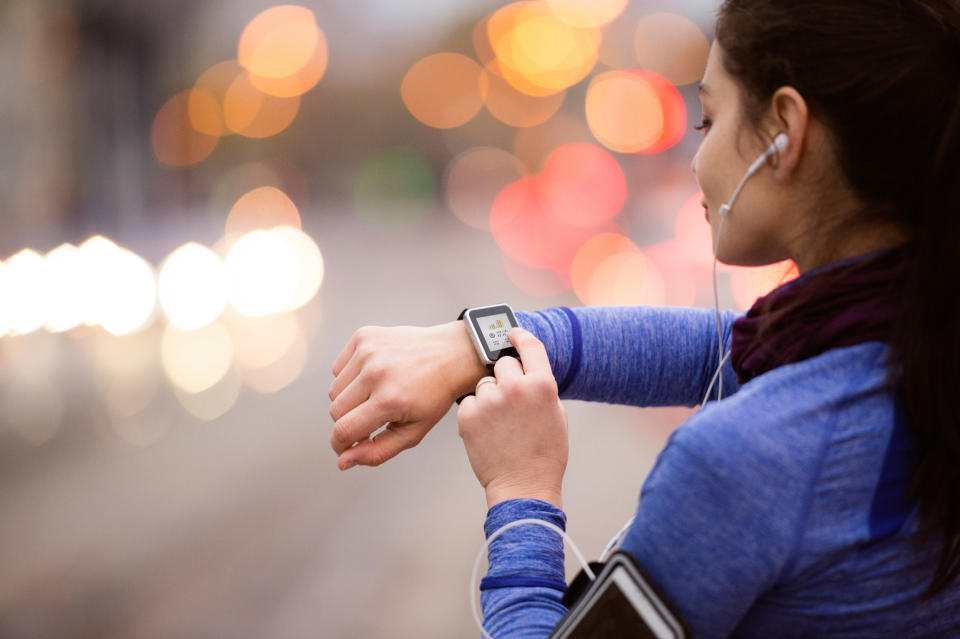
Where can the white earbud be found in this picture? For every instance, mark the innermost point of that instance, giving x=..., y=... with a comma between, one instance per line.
x=779, y=144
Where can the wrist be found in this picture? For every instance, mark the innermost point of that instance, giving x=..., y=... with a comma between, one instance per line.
x=500, y=491
x=464, y=367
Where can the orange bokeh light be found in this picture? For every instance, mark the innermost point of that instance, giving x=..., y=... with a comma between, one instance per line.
x=206, y=98
x=175, y=141
x=587, y=13
x=678, y=276
x=538, y=53
x=748, y=284
x=262, y=208
x=627, y=279
x=582, y=185
x=635, y=111
x=515, y=108
x=474, y=180
x=303, y=80
x=444, y=90
x=534, y=145
x=254, y=114
x=279, y=42
x=672, y=46
x=594, y=252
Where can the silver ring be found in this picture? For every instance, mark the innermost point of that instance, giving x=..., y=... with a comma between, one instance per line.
x=486, y=380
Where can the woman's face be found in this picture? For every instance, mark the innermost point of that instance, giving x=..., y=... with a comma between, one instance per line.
x=753, y=232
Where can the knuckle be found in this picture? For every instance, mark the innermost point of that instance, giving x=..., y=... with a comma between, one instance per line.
x=340, y=434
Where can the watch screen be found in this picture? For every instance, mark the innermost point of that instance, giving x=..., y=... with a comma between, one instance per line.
x=494, y=329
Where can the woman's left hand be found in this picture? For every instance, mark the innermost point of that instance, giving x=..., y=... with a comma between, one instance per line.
x=515, y=429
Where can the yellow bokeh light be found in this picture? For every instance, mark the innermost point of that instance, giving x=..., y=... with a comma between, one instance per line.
x=587, y=13
x=27, y=288
x=132, y=299
x=196, y=360
x=66, y=289
x=310, y=265
x=261, y=208
x=672, y=46
x=255, y=114
x=174, y=139
x=193, y=286
x=624, y=112
x=538, y=53
x=444, y=90
x=263, y=274
x=278, y=42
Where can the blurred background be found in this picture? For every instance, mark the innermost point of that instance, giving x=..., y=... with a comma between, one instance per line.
x=201, y=201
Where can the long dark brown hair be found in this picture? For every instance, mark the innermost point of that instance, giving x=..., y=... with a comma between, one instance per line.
x=884, y=77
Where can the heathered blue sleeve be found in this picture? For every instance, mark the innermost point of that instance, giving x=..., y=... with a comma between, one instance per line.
x=521, y=592
x=636, y=355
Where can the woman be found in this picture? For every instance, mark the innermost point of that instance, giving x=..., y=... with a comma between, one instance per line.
x=821, y=495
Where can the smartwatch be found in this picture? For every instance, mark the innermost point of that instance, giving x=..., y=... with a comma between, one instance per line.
x=488, y=327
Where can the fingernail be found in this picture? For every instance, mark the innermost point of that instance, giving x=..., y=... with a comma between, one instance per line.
x=348, y=465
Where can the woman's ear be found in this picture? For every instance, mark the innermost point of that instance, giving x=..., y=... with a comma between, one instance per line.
x=789, y=114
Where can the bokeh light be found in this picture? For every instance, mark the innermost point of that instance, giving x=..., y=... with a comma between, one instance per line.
x=394, y=188
x=193, y=286
x=475, y=178
x=678, y=275
x=635, y=111
x=526, y=232
x=594, y=252
x=254, y=114
x=132, y=296
x=748, y=284
x=126, y=370
x=196, y=360
x=672, y=46
x=538, y=53
x=310, y=265
x=27, y=287
x=263, y=273
x=301, y=81
x=261, y=208
x=587, y=13
x=32, y=399
x=444, y=90
x=582, y=185
x=274, y=353
x=173, y=137
x=279, y=42
x=213, y=402
x=627, y=279
x=205, y=100
x=515, y=108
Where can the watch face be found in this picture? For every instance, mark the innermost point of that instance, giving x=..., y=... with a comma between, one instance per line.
x=491, y=324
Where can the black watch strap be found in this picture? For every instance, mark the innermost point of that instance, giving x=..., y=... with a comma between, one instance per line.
x=489, y=366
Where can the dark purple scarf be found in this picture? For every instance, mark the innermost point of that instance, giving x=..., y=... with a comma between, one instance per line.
x=835, y=305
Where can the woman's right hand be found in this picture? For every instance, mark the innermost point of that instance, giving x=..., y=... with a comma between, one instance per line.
x=403, y=376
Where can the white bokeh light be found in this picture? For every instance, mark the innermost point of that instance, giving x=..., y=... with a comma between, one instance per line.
x=133, y=297
x=263, y=274
x=310, y=267
x=27, y=292
x=66, y=289
x=193, y=287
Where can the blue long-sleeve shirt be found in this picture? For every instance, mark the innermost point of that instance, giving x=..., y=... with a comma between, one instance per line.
x=778, y=511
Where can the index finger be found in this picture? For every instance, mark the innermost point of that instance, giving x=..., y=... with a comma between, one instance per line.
x=345, y=354
x=533, y=355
